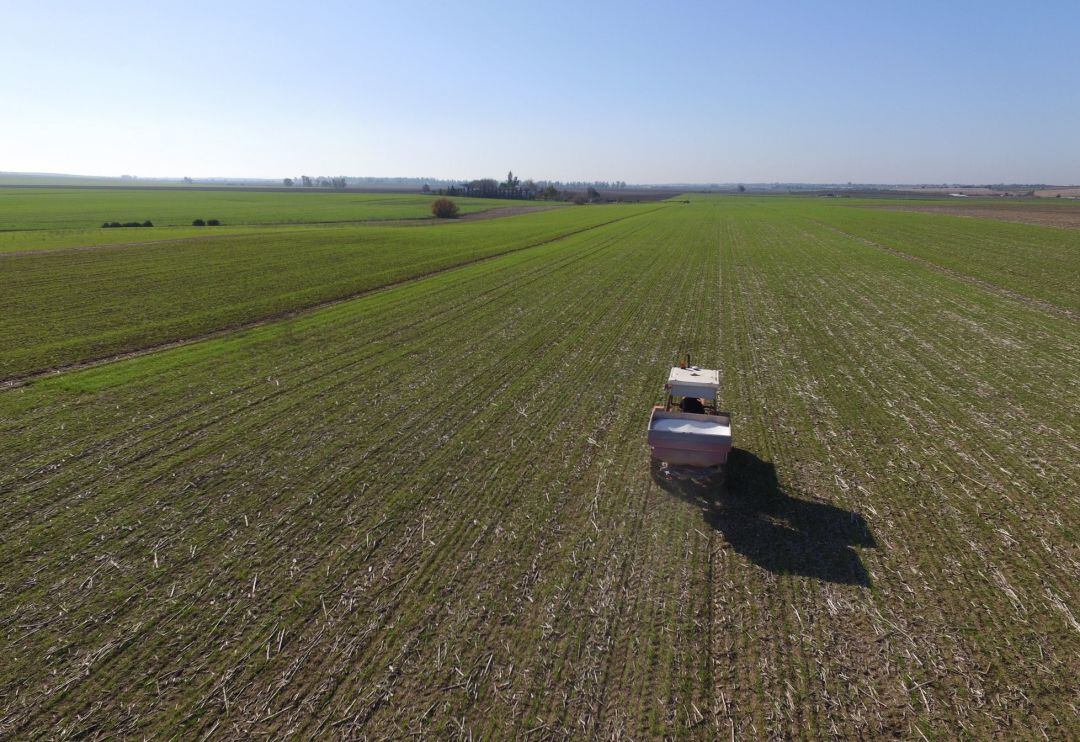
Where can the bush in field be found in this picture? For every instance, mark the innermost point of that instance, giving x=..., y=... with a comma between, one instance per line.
x=148, y=223
x=213, y=223
x=444, y=208
x=198, y=223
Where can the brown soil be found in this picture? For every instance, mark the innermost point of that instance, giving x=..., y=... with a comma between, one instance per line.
x=502, y=211
x=1065, y=215
x=1064, y=192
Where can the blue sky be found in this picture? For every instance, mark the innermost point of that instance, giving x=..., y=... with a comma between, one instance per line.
x=642, y=92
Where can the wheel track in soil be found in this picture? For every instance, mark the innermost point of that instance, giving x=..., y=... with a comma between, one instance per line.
x=618, y=664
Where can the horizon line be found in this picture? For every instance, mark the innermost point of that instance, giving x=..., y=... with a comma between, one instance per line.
x=628, y=185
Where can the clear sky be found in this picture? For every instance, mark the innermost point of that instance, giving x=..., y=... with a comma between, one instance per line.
x=944, y=91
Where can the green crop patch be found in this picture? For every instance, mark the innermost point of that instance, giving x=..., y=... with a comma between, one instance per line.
x=63, y=308
x=20, y=241
x=72, y=208
x=430, y=507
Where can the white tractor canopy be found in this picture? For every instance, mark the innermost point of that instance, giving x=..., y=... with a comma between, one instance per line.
x=694, y=381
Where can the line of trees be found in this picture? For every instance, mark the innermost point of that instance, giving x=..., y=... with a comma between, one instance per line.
x=512, y=188
x=515, y=188
x=305, y=181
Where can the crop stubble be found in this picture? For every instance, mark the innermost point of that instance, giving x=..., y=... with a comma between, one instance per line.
x=430, y=509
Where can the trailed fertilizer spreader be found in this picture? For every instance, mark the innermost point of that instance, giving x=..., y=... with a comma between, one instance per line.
x=688, y=429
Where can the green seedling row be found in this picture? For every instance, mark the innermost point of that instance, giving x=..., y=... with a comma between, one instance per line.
x=430, y=510
x=63, y=308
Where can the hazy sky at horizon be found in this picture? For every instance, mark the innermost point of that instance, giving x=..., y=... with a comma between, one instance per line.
x=642, y=92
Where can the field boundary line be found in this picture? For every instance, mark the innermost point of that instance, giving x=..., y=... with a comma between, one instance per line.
x=12, y=382
x=497, y=212
x=988, y=286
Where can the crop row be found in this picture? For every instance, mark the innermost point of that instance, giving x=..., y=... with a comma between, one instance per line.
x=940, y=414
x=62, y=308
x=430, y=509
x=456, y=525
x=1034, y=261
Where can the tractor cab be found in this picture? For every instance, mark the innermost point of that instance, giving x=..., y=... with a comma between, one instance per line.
x=689, y=429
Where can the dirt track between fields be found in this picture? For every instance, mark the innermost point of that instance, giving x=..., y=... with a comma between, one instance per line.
x=501, y=211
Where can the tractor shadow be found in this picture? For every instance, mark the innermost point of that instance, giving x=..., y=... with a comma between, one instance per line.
x=780, y=533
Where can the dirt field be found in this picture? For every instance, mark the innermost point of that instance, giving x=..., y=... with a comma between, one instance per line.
x=1064, y=192
x=978, y=191
x=1047, y=214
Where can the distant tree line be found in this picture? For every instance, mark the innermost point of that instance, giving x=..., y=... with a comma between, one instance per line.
x=511, y=188
x=515, y=188
x=113, y=225
x=339, y=183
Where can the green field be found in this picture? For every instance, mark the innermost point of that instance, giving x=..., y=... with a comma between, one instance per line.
x=64, y=307
x=1038, y=262
x=429, y=509
x=40, y=240
x=74, y=208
